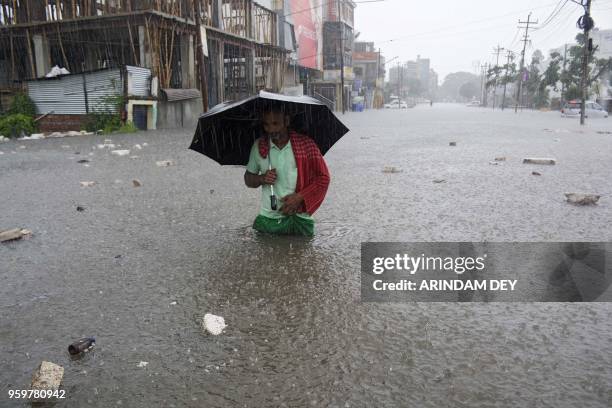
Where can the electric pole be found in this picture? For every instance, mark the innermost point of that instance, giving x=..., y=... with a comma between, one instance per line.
x=341, y=25
x=586, y=23
x=525, y=39
x=200, y=56
x=483, y=86
x=497, y=50
x=508, y=58
x=562, y=74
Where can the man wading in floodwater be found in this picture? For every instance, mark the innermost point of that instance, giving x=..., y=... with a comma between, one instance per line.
x=291, y=166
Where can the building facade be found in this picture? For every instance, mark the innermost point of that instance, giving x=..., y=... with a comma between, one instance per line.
x=225, y=49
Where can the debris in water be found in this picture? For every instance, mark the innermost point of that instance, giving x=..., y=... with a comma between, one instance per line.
x=80, y=209
x=213, y=324
x=582, y=199
x=438, y=181
x=535, y=173
x=81, y=345
x=539, y=160
x=391, y=169
x=22, y=147
x=83, y=161
x=48, y=376
x=364, y=138
x=136, y=183
x=87, y=183
x=13, y=234
x=165, y=163
x=604, y=132
x=212, y=191
x=137, y=147
x=452, y=144
x=500, y=159
x=143, y=364
x=120, y=152
x=173, y=303
x=494, y=163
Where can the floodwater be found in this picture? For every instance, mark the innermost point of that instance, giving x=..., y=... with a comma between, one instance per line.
x=298, y=334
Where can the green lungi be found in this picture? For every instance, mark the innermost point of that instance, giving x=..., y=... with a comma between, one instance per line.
x=290, y=225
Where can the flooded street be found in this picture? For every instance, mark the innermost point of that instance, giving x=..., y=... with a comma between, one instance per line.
x=139, y=268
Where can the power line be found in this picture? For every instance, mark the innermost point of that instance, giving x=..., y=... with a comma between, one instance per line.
x=553, y=14
x=474, y=22
x=525, y=39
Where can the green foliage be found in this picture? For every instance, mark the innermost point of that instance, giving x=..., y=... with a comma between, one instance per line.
x=128, y=127
x=105, y=115
x=468, y=90
x=17, y=125
x=22, y=105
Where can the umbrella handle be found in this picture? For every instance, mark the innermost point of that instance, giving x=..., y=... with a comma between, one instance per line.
x=273, y=205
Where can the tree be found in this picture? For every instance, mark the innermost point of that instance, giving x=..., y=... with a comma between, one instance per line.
x=454, y=81
x=468, y=90
x=573, y=72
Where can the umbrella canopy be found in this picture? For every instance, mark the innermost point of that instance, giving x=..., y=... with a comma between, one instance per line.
x=227, y=132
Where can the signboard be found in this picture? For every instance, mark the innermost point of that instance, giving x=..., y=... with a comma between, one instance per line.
x=302, y=13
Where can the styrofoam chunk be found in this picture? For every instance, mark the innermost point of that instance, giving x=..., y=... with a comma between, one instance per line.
x=120, y=152
x=213, y=324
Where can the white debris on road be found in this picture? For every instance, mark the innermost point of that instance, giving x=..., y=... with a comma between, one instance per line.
x=391, y=169
x=213, y=324
x=3, y=139
x=87, y=183
x=165, y=163
x=120, y=152
x=13, y=234
x=143, y=364
x=539, y=160
x=137, y=147
x=582, y=199
x=48, y=376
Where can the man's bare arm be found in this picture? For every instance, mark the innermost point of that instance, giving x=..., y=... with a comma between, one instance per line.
x=257, y=180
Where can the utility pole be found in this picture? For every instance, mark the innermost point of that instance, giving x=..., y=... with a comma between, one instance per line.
x=563, y=73
x=341, y=31
x=586, y=23
x=398, y=82
x=497, y=50
x=200, y=54
x=482, y=68
x=483, y=86
x=508, y=57
x=525, y=39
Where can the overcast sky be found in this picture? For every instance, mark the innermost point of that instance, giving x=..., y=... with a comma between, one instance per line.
x=459, y=35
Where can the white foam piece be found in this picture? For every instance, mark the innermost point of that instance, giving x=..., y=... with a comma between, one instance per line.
x=213, y=324
x=120, y=152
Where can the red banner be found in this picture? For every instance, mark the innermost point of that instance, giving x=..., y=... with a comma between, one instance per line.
x=302, y=12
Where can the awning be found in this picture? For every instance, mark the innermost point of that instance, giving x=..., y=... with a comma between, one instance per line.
x=181, y=94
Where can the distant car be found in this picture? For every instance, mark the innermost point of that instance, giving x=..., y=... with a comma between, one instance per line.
x=473, y=104
x=593, y=109
x=396, y=104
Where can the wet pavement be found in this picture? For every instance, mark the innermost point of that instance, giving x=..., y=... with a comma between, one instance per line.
x=140, y=266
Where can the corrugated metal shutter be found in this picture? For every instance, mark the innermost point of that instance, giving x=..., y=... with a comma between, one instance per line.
x=102, y=85
x=62, y=96
x=139, y=81
x=65, y=96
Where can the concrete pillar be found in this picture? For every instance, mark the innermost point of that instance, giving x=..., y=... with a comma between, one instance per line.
x=145, y=49
x=187, y=62
x=41, y=55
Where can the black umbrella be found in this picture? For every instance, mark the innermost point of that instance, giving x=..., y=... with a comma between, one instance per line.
x=227, y=132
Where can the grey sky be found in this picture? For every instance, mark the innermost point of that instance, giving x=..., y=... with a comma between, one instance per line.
x=457, y=35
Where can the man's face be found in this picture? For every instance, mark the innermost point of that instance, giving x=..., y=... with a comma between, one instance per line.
x=275, y=124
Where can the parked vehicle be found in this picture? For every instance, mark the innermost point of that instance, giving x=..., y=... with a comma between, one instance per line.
x=593, y=109
x=396, y=104
x=473, y=104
